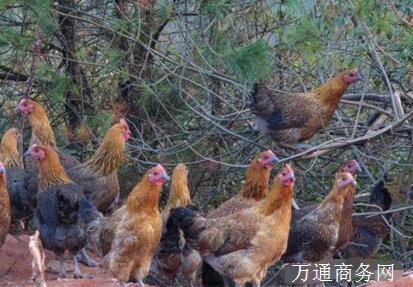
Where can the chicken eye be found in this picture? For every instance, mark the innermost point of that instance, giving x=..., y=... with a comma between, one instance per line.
x=351, y=75
x=155, y=173
x=284, y=174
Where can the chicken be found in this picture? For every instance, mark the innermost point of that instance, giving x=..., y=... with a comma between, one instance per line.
x=314, y=236
x=346, y=226
x=42, y=132
x=292, y=119
x=244, y=244
x=369, y=231
x=255, y=188
x=4, y=206
x=129, y=237
x=174, y=255
x=98, y=176
x=57, y=213
x=22, y=204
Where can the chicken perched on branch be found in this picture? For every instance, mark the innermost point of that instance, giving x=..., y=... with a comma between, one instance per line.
x=22, y=204
x=42, y=132
x=244, y=244
x=369, y=231
x=314, y=236
x=292, y=119
x=346, y=226
x=130, y=236
x=4, y=206
x=174, y=256
x=255, y=188
x=58, y=216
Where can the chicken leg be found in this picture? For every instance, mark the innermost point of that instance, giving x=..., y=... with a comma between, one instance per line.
x=62, y=268
x=83, y=258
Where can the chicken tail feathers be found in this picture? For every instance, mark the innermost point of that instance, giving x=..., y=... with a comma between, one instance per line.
x=210, y=277
x=381, y=196
x=186, y=219
x=88, y=211
x=258, y=95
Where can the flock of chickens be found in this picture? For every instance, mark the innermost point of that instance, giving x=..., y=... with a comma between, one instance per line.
x=74, y=206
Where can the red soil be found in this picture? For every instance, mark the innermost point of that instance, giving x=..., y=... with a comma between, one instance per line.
x=16, y=270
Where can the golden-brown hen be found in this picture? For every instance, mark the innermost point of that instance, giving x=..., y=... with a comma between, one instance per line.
x=346, y=226
x=128, y=237
x=244, y=244
x=98, y=176
x=314, y=236
x=42, y=132
x=291, y=119
x=174, y=256
x=255, y=188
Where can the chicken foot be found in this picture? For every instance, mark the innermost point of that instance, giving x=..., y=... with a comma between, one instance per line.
x=83, y=258
x=62, y=268
x=77, y=274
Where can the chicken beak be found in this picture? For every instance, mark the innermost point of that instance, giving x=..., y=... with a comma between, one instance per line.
x=275, y=159
x=358, y=168
x=27, y=153
x=353, y=182
x=166, y=177
x=2, y=169
x=359, y=77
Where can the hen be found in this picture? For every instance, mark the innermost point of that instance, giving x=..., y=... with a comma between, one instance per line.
x=4, y=206
x=130, y=236
x=244, y=244
x=57, y=213
x=22, y=204
x=98, y=176
x=292, y=119
x=314, y=236
x=42, y=132
x=346, y=226
x=174, y=256
x=255, y=188
x=369, y=231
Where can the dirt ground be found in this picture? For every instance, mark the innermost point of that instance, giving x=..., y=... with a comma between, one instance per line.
x=15, y=268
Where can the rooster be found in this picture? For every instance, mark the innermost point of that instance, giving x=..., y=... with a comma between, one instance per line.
x=57, y=213
x=346, y=226
x=293, y=119
x=314, y=236
x=22, y=204
x=243, y=245
x=255, y=188
x=129, y=237
x=42, y=132
x=4, y=206
x=369, y=231
x=174, y=256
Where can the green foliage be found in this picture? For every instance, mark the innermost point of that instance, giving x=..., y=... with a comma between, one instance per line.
x=216, y=8
x=10, y=36
x=251, y=62
x=41, y=9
